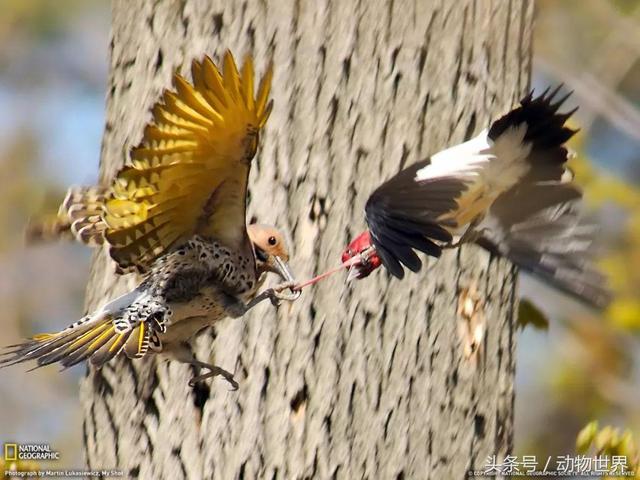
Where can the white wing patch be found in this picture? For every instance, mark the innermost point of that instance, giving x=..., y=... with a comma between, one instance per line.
x=495, y=166
x=462, y=160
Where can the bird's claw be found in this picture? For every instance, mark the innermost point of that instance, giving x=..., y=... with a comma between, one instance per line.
x=292, y=295
x=214, y=371
x=277, y=294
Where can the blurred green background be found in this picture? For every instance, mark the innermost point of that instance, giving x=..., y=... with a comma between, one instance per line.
x=584, y=366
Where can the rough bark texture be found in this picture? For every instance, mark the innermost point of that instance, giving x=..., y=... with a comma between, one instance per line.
x=373, y=384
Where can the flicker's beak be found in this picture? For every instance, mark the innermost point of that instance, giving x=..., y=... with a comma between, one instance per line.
x=277, y=265
x=274, y=264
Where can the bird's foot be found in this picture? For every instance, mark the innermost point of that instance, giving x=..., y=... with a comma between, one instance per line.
x=276, y=294
x=214, y=370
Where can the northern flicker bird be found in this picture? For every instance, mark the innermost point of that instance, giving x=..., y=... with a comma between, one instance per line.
x=176, y=213
x=507, y=189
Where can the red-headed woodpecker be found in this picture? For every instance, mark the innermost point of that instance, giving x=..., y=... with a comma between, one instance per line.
x=507, y=189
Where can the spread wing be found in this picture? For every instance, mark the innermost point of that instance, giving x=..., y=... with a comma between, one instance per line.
x=189, y=174
x=405, y=213
x=457, y=186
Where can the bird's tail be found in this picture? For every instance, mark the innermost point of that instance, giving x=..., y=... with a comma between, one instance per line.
x=539, y=227
x=98, y=337
x=79, y=216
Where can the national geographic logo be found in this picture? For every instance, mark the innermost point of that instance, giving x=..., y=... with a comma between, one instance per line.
x=29, y=451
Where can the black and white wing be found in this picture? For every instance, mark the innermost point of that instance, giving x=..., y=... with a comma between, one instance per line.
x=403, y=216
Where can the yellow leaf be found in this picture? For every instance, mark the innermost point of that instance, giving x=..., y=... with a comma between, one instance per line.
x=625, y=313
x=627, y=446
x=586, y=436
x=604, y=438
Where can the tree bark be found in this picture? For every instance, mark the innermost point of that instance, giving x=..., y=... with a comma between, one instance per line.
x=366, y=381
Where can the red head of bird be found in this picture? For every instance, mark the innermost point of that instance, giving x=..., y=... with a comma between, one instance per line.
x=366, y=260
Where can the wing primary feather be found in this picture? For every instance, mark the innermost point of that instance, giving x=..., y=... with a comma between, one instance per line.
x=214, y=82
x=262, y=108
x=203, y=135
x=390, y=262
x=404, y=215
x=231, y=76
x=247, y=83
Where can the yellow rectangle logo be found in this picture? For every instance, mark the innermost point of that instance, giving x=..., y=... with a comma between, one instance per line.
x=10, y=452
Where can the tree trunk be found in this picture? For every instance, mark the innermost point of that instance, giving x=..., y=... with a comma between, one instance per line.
x=373, y=380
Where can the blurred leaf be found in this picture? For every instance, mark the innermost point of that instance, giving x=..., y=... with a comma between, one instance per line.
x=43, y=19
x=622, y=262
x=627, y=445
x=594, y=373
x=586, y=437
x=606, y=352
x=604, y=438
x=610, y=442
x=626, y=7
x=529, y=314
x=625, y=313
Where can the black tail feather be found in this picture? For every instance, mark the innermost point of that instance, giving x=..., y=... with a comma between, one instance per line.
x=546, y=132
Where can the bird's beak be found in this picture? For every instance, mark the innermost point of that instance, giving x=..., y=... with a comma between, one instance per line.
x=275, y=264
x=358, y=265
x=279, y=266
x=354, y=273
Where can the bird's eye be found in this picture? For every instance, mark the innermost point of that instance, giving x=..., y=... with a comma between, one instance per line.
x=272, y=241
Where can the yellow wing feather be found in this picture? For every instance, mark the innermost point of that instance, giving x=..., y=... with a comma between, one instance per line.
x=189, y=174
x=247, y=84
